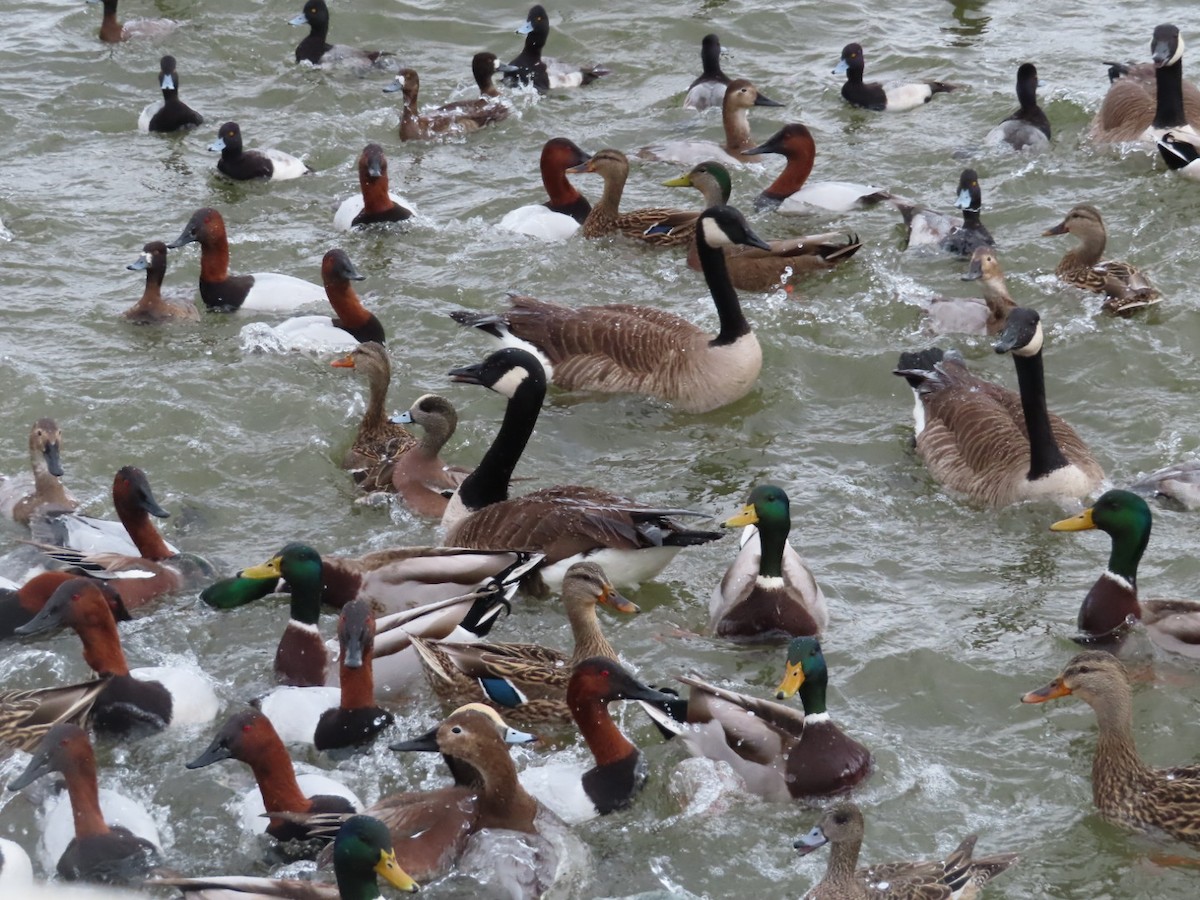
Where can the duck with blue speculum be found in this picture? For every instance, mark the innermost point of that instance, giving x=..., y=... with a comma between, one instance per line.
x=153, y=308
x=242, y=165
x=316, y=49
x=21, y=504
x=1125, y=287
x=544, y=73
x=566, y=209
x=876, y=96
x=374, y=204
x=791, y=192
x=169, y=114
x=708, y=89
x=1027, y=128
x=930, y=228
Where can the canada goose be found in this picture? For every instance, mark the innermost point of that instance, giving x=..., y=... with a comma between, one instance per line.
x=1146, y=100
x=1125, y=288
x=631, y=541
x=930, y=228
x=448, y=119
x=740, y=96
x=657, y=226
x=1027, y=128
x=948, y=315
x=378, y=441
x=622, y=348
x=876, y=96
x=982, y=440
x=708, y=89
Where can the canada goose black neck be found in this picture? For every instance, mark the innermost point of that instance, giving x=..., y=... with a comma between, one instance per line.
x=1045, y=456
x=1167, y=49
x=720, y=285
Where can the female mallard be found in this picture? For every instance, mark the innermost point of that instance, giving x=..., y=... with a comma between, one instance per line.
x=17, y=502
x=420, y=478
x=1027, y=128
x=379, y=441
x=982, y=440
x=949, y=315
x=740, y=97
x=754, y=269
x=1146, y=100
x=657, y=226
x=621, y=348
x=876, y=96
x=447, y=119
x=956, y=876
x=1125, y=288
x=1125, y=790
x=1113, y=602
x=26, y=716
x=767, y=590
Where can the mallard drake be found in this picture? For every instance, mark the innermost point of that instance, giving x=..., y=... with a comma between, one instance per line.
x=876, y=96
x=767, y=590
x=1027, y=128
x=621, y=348
x=982, y=440
x=1145, y=100
x=447, y=119
x=374, y=204
x=1112, y=603
x=927, y=227
x=567, y=523
x=709, y=87
x=152, y=308
x=378, y=441
x=18, y=606
x=420, y=478
x=1125, y=790
x=1180, y=155
x=146, y=699
x=527, y=681
x=26, y=716
x=1125, y=288
x=361, y=850
x=316, y=49
x=1179, y=482
x=20, y=504
x=170, y=113
x=958, y=875
x=949, y=315
x=242, y=165
x=754, y=269
x=791, y=192
x=740, y=96
x=98, y=852
x=560, y=216
x=530, y=67
x=249, y=737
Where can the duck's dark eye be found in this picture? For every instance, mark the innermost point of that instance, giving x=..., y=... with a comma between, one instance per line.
x=457, y=729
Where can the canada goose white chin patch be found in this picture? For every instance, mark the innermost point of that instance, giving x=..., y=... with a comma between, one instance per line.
x=508, y=383
x=1034, y=347
x=714, y=234
x=1178, y=52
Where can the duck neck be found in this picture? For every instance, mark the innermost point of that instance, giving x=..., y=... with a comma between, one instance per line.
x=1044, y=453
x=344, y=300
x=791, y=179
x=843, y=855
x=812, y=692
x=585, y=628
x=610, y=201
x=145, y=536
x=503, y=803
x=1089, y=251
x=152, y=293
x=1168, y=111
x=1116, y=756
x=375, y=417
x=559, y=189
x=772, y=538
x=489, y=482
x=599, y=731
x=276, y=777
x=353, y=885
x=376, y=198
x=110, y=29
x=102, y=645
x=737, y=128
x=358, y=683
x=971, y=217
x=214, y=258
x=1027, y=96
x=729, y=309
x=47, y=486
x=84, y=794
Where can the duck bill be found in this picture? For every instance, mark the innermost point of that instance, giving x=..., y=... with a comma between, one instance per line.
x=139, y=265
x=748, y=516
x=1052, y=691
x=964, y=199
x=617, y=603
x=426, y=743
x=403, y=418
x=217, y=146
x=974, y=271
x=582, y=168
x=814, y=840
x=753, y=240
x=354, y=649
x=1081, y=522
x=269, y=569
x=760, y=100
x=38, y=766
x=53, y=463
x=389, y=870
x=51, y=615
x=298, y=20
x=397, y=85
x=684, y=180
x=1060, y=228
x=525, y=29
x=346, y=362
x=167, y=82
x=150, y=505
x=512, y=736
x=793, y=678
x=639, y=691
x=467, y=374
x=841, y=68
x=216, y=752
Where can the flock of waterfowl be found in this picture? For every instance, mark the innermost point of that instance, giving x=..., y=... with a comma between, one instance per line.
x=417, y=620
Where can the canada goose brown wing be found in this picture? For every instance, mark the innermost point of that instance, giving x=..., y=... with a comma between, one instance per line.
x=1127, y=110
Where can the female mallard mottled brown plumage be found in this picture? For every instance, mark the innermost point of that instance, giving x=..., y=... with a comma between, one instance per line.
x=657, y=226
x=26, y=716
x=449, y=119
x=958, y=876
x=1125, y=288
x=1124, y=789
x=379, y=441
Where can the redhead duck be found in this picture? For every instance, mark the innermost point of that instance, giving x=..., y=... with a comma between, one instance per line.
x=20, y=504
x=170, y=113
x=1027, y=128
x=20, y=605
x=249, y=737
x=987, y=316
x=740, y=97
x=242, y=165
x=374, y=204
x=929, y=228
x=656, y=226
x=530, y=67
x=16, y=869
x=873, y=95
x=315, y=48
x=146, y=699
x=361, y=850
x=791, y=192
x=709, y=87
x=152, y=308
x=378, y=441
x=26, y=716
x=560, y=216
x=448, y=119
x=1145, y=101
x=220, y=291
x=98, y=852
x=420, y=477
x=113, y=32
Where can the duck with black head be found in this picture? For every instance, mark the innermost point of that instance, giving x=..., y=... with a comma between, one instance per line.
x=242, y=165
x=1147, y=100
x=544, y=73
x=170, y=113
x=375, y=204
x=484, y=67
x=708, y=89
x=153, y=308
x=877, y=96
x=113, y=32
x=1027, y=128
x=930, y=229
x=316, y=49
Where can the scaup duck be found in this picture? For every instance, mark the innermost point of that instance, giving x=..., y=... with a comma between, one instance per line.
x=621, y=348
x=420, y=477
x=1027, y=128
x=656, y=226
x=873, y=95
x=484, y=67
x=560, y=216
x=153, y=308
x=170, y=113
x=220, y=291
x=1179, y=482
x=530, y=67
x=242, y=165
x=374, y=204
x=740, y=96
x=19, y=605
x=1181, y=156
x=316, y=49
x=791, y=192
x=958, y=875
x=26, y=715
x=930, y=228
x=1125, y=288
x=20, y=504
x=448, y=119
x=113, y=32
x=1145, y=101
x=379, y=441
x=978, y=439
x=987, y=316
x=709, y=87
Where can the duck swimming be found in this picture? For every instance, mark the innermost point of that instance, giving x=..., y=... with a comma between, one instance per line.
x=242, y=165
x=374, y=204
x=420, y=478
x=1027, y=128
x=378, y=441
x=20, y=504
x=560, y=216
x=170, y=113
x=791, y=193
x=316, y=49
x=1147, y=100
x=929, y=228
x=740, y=97
x=709, y=87
x=1125, y=288
x=113, y=32
x=153, y=308
x=544, y=73
x=656, y=226
x=949, y=315
x=19, y=605
x=876, y=96
x=448, y=119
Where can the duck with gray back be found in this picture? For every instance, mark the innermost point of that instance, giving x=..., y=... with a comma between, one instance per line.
x=1027, y=128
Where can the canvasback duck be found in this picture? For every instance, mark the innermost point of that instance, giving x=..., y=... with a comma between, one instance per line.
x=949, y=315
x=19, y=605
x=656, y=226
x=560, y=216
x=1027, y=128
x=876, y=96
x=26, y=715
x=740, y=97
x=930, y=228
x=16, y=869
x=1145, y=101
x=170, y=113
x=98, y=852
x=316, y=49
x=451, y=118
x=220, y=291
x=1126, y=289
x=378, y=441
x=374, y=204
x=249, y=737
x=153, y=308
x=361, y=851
x=530, y=67
x=17, y=501
x=791, y=191
x=568, y=523
x=138, y=700
x=1180, y=155
x=113, y=32
x=242, y=165
x=420, y=478
x=709, y=87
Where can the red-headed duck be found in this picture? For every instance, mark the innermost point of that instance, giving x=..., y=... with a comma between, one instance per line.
x=876, y=96
x=316, y=49
x=709, y=87
x=170, y=113
x=791, y=192
x=20, y=504
x=740, y=97
x=152, y=308
x=19, y=605
x=530, y=67
x=448, y=119
x=264, y=291
x=378, y=441
x=113, y=32
x=374, y=204
x=98, y=852
x=26, y=716
x=560, y=216
x=241, y=165
x=420, y=478
x=249, y=737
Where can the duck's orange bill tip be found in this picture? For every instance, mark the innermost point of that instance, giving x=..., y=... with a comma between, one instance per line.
x=793, y=678
x=389, y=870
x=746, y=517
x=1081, y=522
x=345, y=362
x=619, y=603
x=1052, y=691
